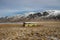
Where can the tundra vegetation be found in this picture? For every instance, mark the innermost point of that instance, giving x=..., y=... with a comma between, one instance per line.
x=45, y=30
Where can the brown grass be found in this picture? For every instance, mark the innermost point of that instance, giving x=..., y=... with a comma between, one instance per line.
x=46, y=31
x=10, y=25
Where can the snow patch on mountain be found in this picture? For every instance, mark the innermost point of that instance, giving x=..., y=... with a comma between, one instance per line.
x=53, y=12
x=26, y=14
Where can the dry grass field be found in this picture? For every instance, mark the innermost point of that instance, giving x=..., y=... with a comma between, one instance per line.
x=47, y=30
x=10, y=25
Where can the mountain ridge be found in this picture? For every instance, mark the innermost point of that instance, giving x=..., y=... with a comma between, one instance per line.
x=29, y=16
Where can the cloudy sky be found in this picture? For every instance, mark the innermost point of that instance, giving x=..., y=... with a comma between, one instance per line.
x=12, y=7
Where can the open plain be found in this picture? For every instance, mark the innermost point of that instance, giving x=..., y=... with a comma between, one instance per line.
x=47, y=30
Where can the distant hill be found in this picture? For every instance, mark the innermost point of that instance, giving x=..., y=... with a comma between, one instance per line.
x=29, y=16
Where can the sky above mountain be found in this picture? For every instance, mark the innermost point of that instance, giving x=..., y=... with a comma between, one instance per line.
x=12, y=7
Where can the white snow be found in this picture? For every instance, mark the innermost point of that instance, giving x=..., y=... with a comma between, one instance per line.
x=53, y=12
x=26, y=14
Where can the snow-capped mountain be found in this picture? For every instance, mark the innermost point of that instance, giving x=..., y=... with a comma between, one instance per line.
x=48, y=14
